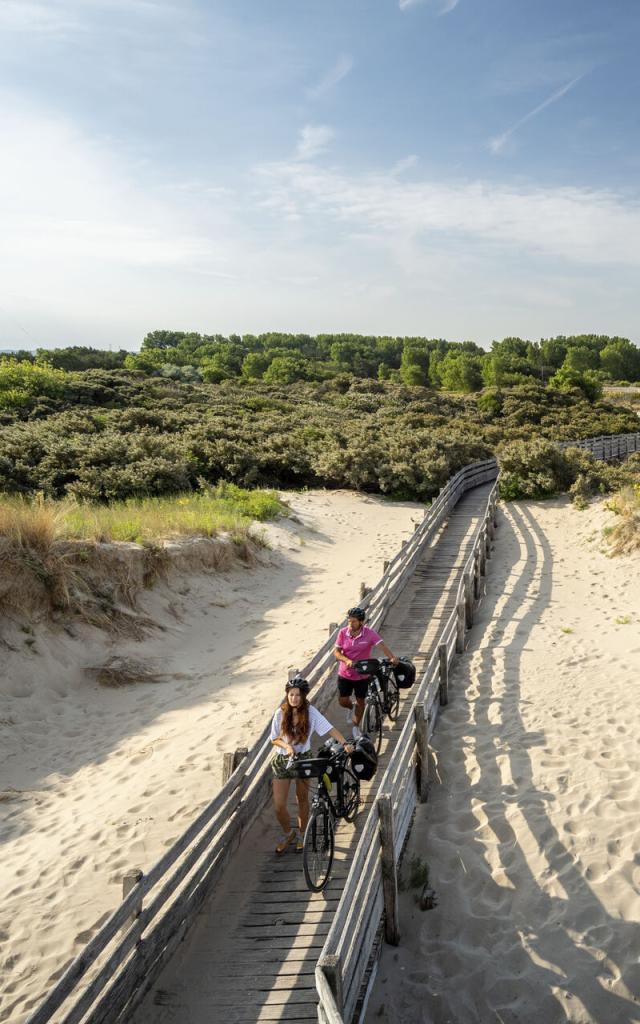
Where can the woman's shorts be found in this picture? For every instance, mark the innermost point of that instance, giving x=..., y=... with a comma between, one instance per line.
x=346, y=687
x=279, y=765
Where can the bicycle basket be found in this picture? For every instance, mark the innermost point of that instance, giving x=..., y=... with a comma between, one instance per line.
x=404, y=673
x=309, y=767
x=364, y=760
x=367, y=666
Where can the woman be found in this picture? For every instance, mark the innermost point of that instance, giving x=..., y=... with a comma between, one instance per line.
x=292, y=727
x=355, y=642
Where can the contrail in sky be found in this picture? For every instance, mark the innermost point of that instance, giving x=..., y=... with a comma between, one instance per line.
x=496, y=144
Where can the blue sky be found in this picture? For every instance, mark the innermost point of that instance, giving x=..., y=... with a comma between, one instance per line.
x=460, y=169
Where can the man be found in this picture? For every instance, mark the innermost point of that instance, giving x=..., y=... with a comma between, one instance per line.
x=356, y=641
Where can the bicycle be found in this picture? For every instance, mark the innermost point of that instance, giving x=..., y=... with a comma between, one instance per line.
x=383, y=697
x=319, y=840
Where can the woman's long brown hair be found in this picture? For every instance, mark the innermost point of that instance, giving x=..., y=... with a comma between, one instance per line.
x=297, y=732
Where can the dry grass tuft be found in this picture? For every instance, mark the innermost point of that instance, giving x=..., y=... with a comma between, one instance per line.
x=624, y=536
x=119, y=671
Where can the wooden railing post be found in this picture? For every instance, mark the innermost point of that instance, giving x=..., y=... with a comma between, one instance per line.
x=129, y=882
x=460, y=623
x=487, y=540
x=477, y=585
x=332, y=627
x=231, y=761
x=331, y=966
x=444, y=674
x=389, y=871
x=385, y=565
x=468, y=601
x=425, y=757
x=482, y=552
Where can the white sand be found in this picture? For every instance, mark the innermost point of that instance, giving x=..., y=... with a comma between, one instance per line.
x=533, y=836
x=95, y=781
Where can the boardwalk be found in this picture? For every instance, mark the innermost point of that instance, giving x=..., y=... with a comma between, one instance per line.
x=251, y=955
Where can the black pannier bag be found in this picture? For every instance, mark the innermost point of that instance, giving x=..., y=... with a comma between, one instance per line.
x=326, y=752
x=364, y=760
x=367, y=666
x=309, y=767
x=404, y=673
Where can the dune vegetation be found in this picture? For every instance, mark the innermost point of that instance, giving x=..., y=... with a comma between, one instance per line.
x=624, y=535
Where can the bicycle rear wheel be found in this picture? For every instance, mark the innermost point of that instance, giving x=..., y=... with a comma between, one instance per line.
x=350, y=795
x=372, y=723
x=317, y=852
x=393, y=700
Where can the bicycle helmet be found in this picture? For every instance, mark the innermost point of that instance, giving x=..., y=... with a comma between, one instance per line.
x=357, y=613
x=297, y=683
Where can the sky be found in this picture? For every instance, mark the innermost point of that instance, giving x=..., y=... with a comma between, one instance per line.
x=465, y=169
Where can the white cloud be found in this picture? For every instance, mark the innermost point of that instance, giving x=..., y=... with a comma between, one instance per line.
x=581, y=226
x=313, y=140
x=498, y=142
x=405, y=164
x=97, y=250
x=62, y=17
x=335, y=74
x=443, y=6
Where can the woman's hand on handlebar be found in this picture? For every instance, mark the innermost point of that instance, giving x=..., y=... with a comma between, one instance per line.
x=349, y=747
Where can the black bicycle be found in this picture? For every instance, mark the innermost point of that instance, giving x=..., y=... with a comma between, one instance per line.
x=383, y=697
x=330, y=767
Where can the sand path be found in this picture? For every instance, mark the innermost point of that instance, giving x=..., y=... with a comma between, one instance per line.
x=95, y=781
x=532, y=838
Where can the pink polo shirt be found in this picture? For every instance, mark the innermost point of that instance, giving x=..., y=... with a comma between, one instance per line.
x=356, y=648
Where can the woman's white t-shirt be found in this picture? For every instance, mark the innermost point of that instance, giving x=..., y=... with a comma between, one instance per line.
x=317, y=723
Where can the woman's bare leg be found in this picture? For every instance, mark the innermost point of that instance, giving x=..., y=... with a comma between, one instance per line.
x=280, y=796
x=302, y=796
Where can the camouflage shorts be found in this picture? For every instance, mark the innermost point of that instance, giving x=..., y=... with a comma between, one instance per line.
x=279, y=765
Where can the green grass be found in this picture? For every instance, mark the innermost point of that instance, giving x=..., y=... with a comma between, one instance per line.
x=224, y=508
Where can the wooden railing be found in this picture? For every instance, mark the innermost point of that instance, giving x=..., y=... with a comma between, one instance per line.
x=123, y=959
x=609, y=446
x=370, y=893
x=371, y=890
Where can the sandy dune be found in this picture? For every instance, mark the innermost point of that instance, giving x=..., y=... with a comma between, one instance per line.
x=532, y=838
x=94, y=781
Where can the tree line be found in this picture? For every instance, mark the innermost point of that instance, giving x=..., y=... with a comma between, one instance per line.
x=585, y=361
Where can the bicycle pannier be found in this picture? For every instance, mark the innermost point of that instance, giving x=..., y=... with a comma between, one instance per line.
x=367, y=666
x=404, y=673
x=364, y=759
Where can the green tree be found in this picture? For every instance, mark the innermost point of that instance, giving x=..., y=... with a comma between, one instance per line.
x=461, y=371
x=567, y=379
x=620, y=360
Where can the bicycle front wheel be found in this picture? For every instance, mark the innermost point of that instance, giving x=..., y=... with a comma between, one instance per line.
x=317, y=852
x=350, y=795
x=393, y=700
x=372, y=723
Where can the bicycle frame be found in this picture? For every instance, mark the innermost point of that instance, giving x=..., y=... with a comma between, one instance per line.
x=322, y=793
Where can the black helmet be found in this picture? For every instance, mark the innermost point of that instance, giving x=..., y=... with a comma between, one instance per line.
x=357, y=613
x=297, y=683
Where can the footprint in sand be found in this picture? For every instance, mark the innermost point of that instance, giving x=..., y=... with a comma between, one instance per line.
x=141, y=755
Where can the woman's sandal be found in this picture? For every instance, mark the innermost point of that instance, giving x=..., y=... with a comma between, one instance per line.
x=300, y=844
x=286, y=842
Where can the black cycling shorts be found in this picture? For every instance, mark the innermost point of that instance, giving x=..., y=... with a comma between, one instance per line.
x=346, y=687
